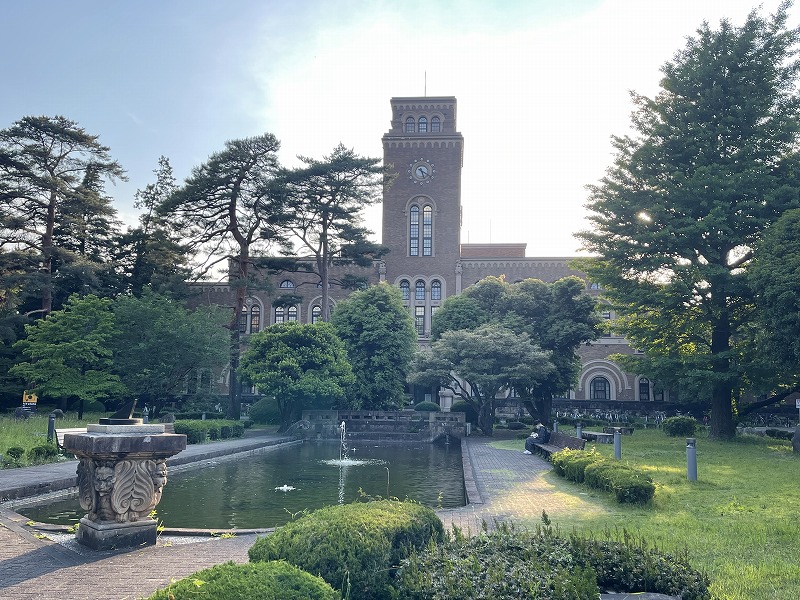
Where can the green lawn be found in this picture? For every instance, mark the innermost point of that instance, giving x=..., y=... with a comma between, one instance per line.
x=740, y=520
x=33, y=432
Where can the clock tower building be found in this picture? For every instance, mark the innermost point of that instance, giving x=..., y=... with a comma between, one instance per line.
x=422, y=207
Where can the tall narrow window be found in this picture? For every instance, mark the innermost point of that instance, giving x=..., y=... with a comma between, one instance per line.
x=291, y=313
x=436, y=290
x=405, y=290
x=243, y=320
x=600, y=389
x=427, y=231
x=316, y=314
x=255, y=319
x=410, y=125
x=419, y=290
x=419, y=319
x=644, y=389
x=436, y=125
x=413, y=231
x=422, y=125
x=279, y=314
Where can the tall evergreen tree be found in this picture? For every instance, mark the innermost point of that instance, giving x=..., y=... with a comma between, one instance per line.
x=326, y=199
x=45, y=164
x=712, y=163
x=225, y=215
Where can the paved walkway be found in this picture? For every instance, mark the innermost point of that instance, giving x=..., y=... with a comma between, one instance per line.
x=501, y=484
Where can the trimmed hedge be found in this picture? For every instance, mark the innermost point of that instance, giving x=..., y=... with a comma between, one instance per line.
x=628, y=484
x=199, y=432
x=679, y=426
x=507, y=564
x=427, y=406
x=275, y=580
x=360, y=544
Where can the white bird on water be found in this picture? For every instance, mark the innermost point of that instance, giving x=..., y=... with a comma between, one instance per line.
x=285, y=488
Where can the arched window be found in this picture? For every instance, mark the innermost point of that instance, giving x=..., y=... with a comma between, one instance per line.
x=419, y=290
x=436, y=290
x=600, y=389
x=427, y=231
x=280, y=314
x=255, y=319
x=316, y=314
x=405, y=290
x=422, y=125
x=243, y=320
x=286, y=284
x=644, y=389
x=436, y=125
x=413, y=231
x=291, y=313
x=419, y=319
x=409, y=125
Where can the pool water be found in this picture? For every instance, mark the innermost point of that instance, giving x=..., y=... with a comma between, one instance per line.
x=271, y=489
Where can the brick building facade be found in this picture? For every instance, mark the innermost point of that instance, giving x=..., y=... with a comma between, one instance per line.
x=422, y=228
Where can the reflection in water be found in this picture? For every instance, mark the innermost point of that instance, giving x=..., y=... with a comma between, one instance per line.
x=247, y=493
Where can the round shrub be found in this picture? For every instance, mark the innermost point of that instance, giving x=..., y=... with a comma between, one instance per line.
x=516, y=425
x=94, y=406
x=679, y=426
x=628, y=484
x=427, y=406
x=470, y=414
x=275, y=580
x=571, y=464
x=266, y=412
x=15, y=452
x=363, y=542
x=43, y=453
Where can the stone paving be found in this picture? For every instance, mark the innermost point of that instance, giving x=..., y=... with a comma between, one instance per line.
x=502, y=485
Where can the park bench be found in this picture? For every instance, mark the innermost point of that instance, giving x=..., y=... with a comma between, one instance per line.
x=559, y=441
x=622, y=430
x=60, y=433
x=598, y=436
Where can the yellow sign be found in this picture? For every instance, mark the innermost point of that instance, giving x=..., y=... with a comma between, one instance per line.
x=28, y=398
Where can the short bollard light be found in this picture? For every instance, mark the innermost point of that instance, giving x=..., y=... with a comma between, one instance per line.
x=555, y=426
x=617, y=443
x=51, y=427
x=578, y=430
x=691, y=459
x=145, y=414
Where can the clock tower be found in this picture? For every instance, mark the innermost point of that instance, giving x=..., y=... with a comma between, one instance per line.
x=422, y=207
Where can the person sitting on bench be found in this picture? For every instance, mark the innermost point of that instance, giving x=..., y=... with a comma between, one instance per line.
x=540, y=435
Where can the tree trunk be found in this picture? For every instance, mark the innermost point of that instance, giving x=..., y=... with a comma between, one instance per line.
x=722, y=425
x=486, y=417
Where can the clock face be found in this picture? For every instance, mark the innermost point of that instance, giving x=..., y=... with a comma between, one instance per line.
x=421, y=171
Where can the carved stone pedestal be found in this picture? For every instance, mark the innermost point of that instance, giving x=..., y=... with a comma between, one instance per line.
x=121, y=474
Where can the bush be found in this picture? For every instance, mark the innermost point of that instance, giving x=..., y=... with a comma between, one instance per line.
x=470, y=414
x=275, y=580
x=571, y=464
x=679, y=426
x=15, y=452
x=427, y=406
x=43, y=453
x=779, y=434
x=362, y=542
x=629, y=485
x=94, y=406
x=266, y=411
x=508, y=564
x=516, y=425
x=199, y=432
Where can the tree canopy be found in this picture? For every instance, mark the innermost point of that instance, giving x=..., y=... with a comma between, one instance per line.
x=302, y=366
x=325, y=199
x=378, y=333
x=712, y=163
x=478, y=364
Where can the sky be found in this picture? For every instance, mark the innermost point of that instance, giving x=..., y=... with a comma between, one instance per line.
x=541, y=85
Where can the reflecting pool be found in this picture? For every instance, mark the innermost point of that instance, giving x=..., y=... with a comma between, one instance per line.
x=268, y=489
